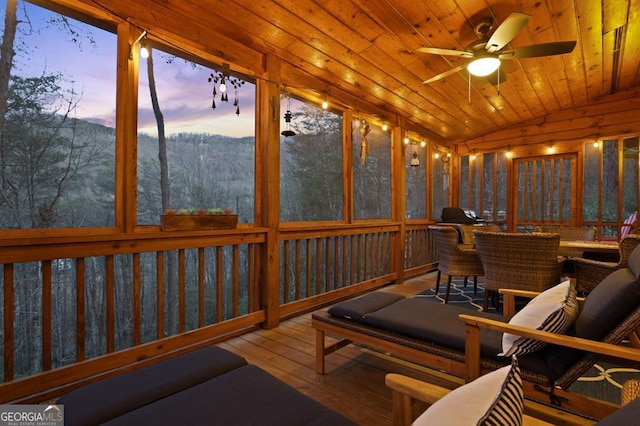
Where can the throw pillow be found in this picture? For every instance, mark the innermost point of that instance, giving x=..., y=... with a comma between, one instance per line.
x=553, y=310
x=495, y=398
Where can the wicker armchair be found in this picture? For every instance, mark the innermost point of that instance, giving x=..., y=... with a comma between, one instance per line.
x=454, y=259
x=589, y=272
x=518, y=261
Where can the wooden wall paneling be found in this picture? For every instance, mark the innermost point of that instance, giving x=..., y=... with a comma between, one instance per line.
x=589, y=19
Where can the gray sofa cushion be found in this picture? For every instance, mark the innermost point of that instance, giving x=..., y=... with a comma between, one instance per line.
x=608, y=304
x=101, y=401
x=245, y=396
x=634, y=262
x=437, y=323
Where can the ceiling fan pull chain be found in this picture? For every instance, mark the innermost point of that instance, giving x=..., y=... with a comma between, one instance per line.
x=469, y=90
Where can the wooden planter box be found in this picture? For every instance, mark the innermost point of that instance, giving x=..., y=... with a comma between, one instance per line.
x=193, y=222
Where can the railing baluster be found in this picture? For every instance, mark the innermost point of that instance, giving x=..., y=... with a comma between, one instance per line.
x=182, y=270
x=80, y=310
x=110, y=302
x=46, y=315
x=201, y=275
x=219, y=284
x=9, y=367
x=160, y=294
x=137, y=301
x=236, y=280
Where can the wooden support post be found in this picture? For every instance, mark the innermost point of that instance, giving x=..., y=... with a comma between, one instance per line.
x=472, y=352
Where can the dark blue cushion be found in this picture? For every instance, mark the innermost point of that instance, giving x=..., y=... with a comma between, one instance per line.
x=627, y=415
x=101, y=401
x=244, y=396
x=437, y=323
x=355, y=309
x=606, y=306
x=634, y=262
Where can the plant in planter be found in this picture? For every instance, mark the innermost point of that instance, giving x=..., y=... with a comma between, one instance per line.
x=190, y=219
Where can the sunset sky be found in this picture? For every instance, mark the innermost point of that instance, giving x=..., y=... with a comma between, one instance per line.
x=90, y=69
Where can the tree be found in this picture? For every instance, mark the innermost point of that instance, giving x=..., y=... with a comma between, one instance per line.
x=312, y=168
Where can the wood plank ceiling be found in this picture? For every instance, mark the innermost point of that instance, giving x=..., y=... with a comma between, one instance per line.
x=361, y=53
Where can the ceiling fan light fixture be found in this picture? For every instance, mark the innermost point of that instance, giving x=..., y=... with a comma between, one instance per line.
x=483, y=66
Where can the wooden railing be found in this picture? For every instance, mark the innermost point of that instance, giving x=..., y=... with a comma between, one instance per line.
x=77, y=309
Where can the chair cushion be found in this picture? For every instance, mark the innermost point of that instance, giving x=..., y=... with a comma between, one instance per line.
x=495, y=398
x=553, y=310
x=245, y=396
x=355, y=309
x=114, y=396
x=608, y=304
x=634, y=262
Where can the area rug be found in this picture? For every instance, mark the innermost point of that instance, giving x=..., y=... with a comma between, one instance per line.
x=603, y=381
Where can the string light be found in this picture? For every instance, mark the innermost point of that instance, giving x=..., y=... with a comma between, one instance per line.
x=385, y=127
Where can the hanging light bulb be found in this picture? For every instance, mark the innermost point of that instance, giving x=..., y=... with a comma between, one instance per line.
x=385, y=127
x=325, y=104
x=144, y=51
x=406, y=141
x=423, y=144
x=223, y=85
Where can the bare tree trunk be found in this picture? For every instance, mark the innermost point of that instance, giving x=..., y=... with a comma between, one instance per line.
x=6, y=63
x=170, y=290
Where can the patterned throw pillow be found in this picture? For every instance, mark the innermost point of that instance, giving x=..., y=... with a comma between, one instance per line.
x=493, y=399
x=553, y=310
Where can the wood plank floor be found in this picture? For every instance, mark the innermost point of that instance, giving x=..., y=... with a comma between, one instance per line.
x=354, y=381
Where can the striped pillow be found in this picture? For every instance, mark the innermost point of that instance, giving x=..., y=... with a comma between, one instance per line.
x=507, y=408
x=553, y=310
x=493, y=399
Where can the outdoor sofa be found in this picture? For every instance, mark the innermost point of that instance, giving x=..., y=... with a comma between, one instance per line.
x=465, y=343
x=205, y=386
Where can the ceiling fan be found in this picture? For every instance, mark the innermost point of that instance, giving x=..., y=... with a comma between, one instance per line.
x=486, y=53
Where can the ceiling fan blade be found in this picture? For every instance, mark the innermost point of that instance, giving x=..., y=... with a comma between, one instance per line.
x=537, y=50
x=448, y=52
x=507, y=31
x=445, y=74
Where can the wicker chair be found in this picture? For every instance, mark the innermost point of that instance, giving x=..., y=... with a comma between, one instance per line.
x=518, y=261
x=589, y=272
x=454, y=259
